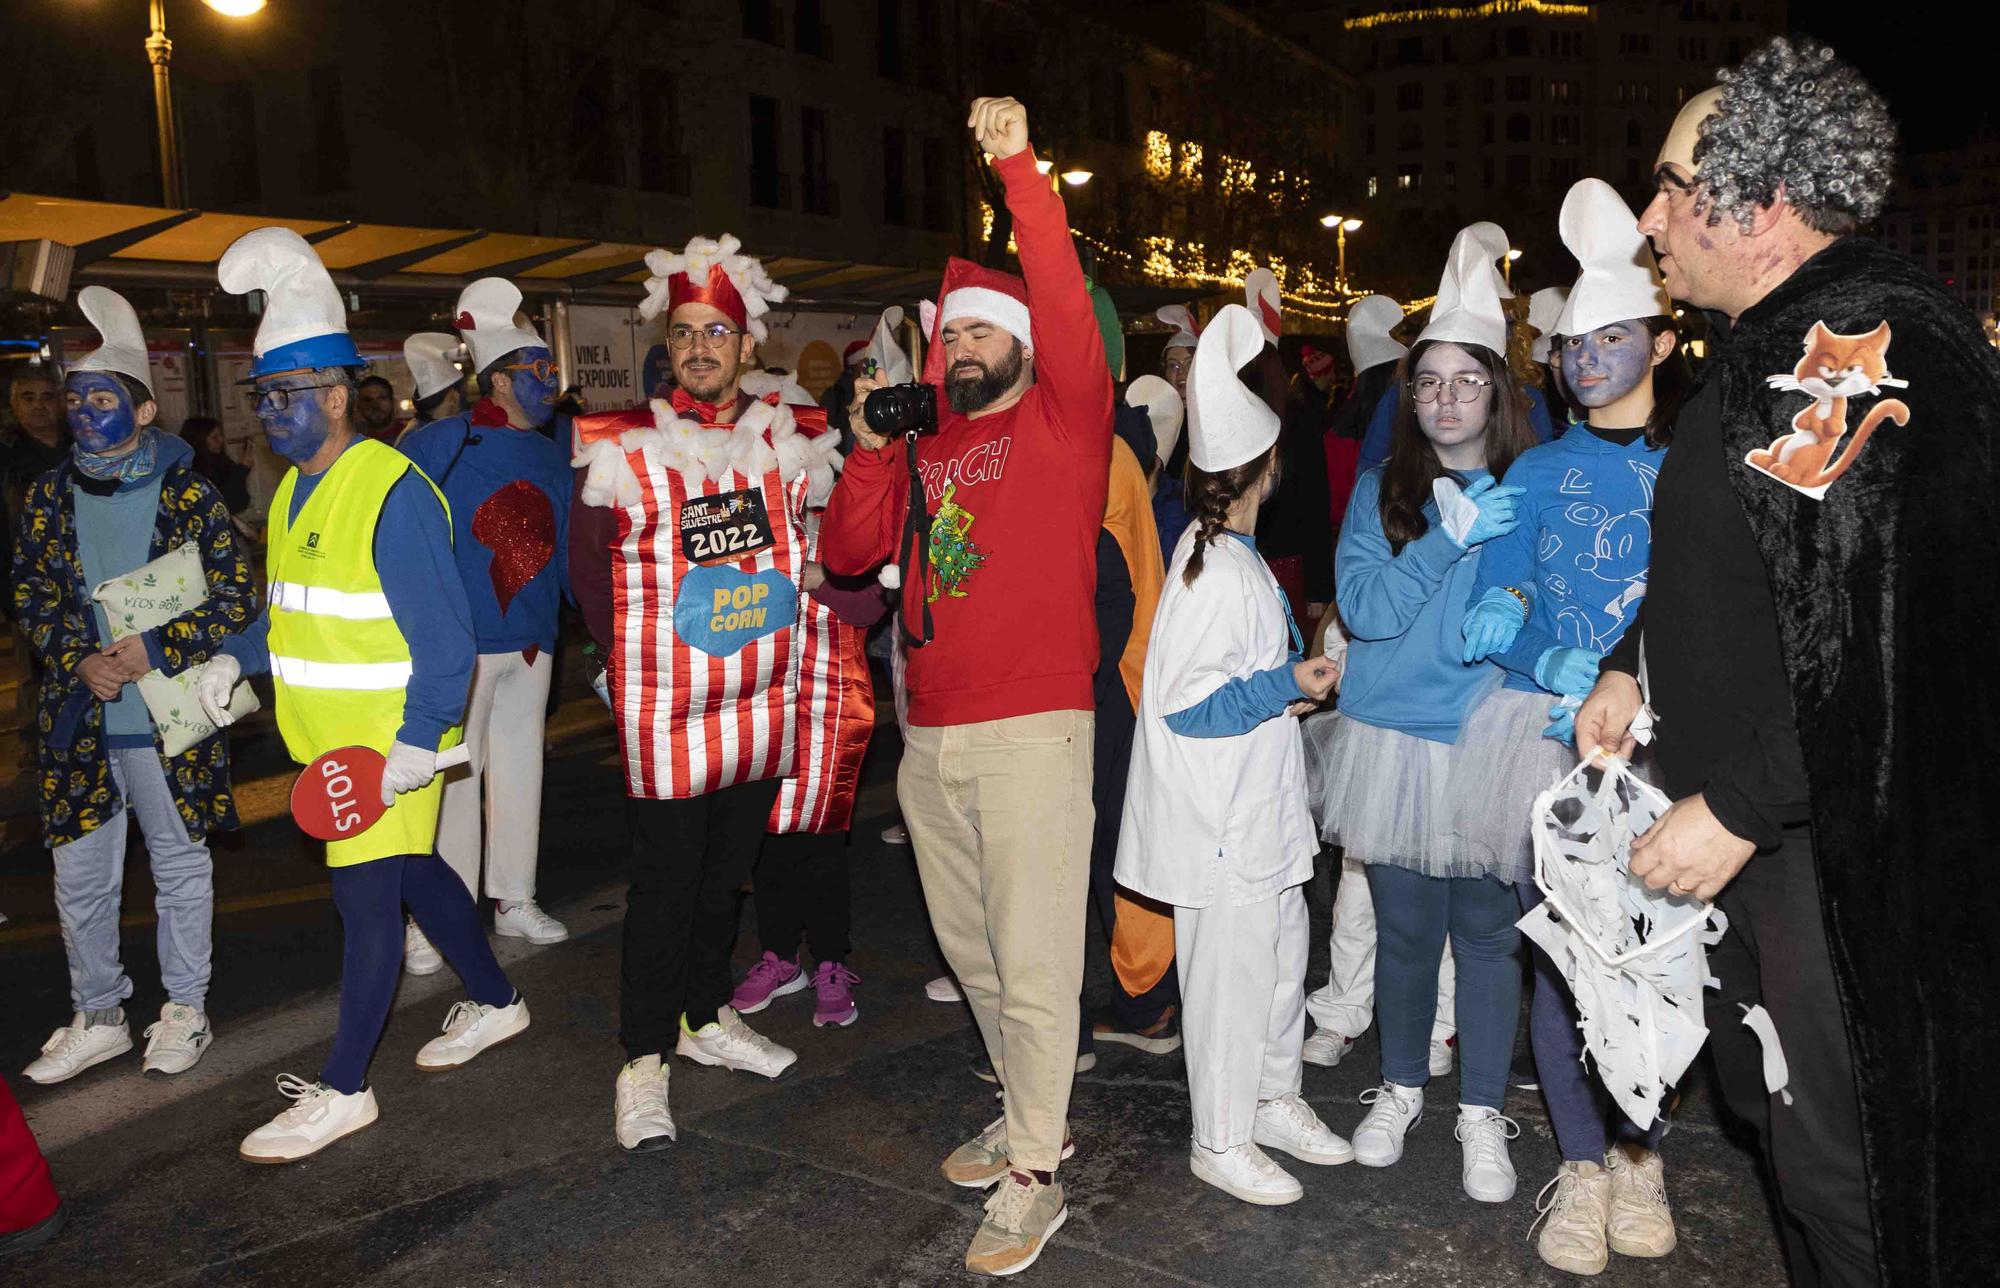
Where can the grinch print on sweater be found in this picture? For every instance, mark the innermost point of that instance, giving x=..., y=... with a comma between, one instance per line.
x=1834, y=368
x=954, y=555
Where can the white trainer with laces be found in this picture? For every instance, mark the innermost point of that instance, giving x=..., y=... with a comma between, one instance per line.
x=419, y=958
x=319, y=1116
x=1392, y=1111
x=1289, y=1123
x=71, y=1050
x=469, y=1028
x=1326, y=1048
x=526, y=920
x=1246, y=1172
x=729, y=1043
x=643, y=1121
x=1573, y=1238
x=1640, y=1224
x=1442, y=1050
x=1482, y=1136
x=177, y=1039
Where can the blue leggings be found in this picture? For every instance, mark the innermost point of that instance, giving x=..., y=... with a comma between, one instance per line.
x=1576, y=1099
x=370, y=897
x=1413, y=915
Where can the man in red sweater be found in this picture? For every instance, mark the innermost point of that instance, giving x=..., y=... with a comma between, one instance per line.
x=995, y=778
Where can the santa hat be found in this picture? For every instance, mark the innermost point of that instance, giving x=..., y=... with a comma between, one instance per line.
x=972, y=291
x=715, y=273
x=1163, y=411
x=1468, y=310
x=1228, y=423
x=432, y=357
x=305, y=324
x=1369, y=323
x=1544, y=307
x=892, y=365
x=1187, y=331
x=123, y=350
x=853, y=350
x=489, y=317
x=1494, y=238
x=1620, y=280
x=1316, y=362
x=1260, y=293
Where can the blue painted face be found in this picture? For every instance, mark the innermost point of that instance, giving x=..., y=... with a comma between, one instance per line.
x=101, y=414
x=536, y=395
x=1608, y=363
x=299, y=429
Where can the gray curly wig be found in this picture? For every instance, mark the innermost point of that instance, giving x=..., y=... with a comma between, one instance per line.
x=1794, y=116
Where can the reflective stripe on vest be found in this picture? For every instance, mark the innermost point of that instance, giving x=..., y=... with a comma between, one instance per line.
x=303, y=673
x=357, y=606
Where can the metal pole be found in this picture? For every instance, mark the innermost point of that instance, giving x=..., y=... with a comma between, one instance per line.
x=160, y=52
x=1343, y=255
x=559, y=335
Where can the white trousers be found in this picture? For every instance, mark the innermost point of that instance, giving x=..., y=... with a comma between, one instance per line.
x=1346, y=1004
x=503, y=726
x=1243, y=984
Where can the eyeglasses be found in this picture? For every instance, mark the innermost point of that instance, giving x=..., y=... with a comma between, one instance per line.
x=716, y=333
x=1176, y=368
x=278, y=399
x=544, y=368
x=1428, y=389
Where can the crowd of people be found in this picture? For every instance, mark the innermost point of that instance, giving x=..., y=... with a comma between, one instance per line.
x=1270, y=615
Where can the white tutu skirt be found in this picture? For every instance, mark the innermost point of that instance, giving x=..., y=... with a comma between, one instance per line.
x=1499, y=765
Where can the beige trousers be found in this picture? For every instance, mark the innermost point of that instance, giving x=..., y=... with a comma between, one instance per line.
x=504, y=718
x=1000, y=818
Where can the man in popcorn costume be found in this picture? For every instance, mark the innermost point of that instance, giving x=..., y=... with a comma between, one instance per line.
x=691, y=558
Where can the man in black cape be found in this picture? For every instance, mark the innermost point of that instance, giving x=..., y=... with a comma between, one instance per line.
x=1815, y=645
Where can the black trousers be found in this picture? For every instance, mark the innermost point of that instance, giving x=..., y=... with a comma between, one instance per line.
x=1775, y=954
x=1112, y=758
x=802, y=890
x=688, y=861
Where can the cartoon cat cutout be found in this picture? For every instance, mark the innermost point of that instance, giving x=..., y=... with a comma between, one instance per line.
x=1833, y=369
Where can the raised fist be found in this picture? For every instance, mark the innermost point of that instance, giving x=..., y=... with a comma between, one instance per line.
x=1000, y=125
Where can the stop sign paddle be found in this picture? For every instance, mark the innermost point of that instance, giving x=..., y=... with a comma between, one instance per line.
x=339, y=795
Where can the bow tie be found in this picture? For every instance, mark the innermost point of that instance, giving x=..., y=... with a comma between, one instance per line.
x=684, y=403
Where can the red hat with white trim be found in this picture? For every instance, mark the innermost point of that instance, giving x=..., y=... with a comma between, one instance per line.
x=973, y=291
x=714, y=272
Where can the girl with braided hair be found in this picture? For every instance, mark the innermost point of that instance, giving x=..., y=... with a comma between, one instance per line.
x=1215, y=820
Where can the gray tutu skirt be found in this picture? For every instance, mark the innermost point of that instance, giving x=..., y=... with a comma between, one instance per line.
x=1379, y=793
x=1499, y=765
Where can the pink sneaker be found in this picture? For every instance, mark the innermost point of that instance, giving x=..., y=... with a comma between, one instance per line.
x=834, y=985
x=771, y=977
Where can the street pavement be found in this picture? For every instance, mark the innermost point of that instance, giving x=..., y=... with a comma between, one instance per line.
x=505, y=1171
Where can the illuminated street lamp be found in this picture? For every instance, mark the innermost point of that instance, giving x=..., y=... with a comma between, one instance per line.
x=1077, y=177
x=160, y=52
x=1343, y=226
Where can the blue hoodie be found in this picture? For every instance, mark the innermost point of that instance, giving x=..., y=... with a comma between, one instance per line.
x=1402, y=611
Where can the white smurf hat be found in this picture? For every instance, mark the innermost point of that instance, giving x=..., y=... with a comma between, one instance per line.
x=1369, y=323
x=1260, y=294
x=892, y=365
x=1468, y=310
x=1544, y=307
x=1494, y=238
x=1187, y=332
x=1228, y=423
x=1620, y=279
x=305, y=324
x=1163, y=410
x=124, y=345
x=489, y=317
x=432, y=359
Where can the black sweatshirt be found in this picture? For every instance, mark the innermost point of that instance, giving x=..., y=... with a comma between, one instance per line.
x=1718, y=680
x=1297, y=520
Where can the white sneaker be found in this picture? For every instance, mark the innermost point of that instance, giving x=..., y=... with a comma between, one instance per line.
x=1289, y=1123
x=1326, y=1048
x=1573, y=1239
x=1482, y=1136
x=318, y=1117
x=1392, y=1111
x=1640, y=1223
x=419, y=958
x=943, y=989
x=732, y=1044
x=1442, y=1050
x=469, y=1028
x=69, y=1051
x=526, y=920
x=1247, y=1173
x=643, y=1121
x=896, y=834
x=177, y=1039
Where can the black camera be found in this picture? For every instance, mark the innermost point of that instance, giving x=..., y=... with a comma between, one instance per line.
x=902, y=409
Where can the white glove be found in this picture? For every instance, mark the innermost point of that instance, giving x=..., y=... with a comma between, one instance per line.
x=408, y=768
x=214, y=685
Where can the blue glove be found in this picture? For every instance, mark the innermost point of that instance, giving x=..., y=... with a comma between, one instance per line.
x=1562, y=727
x=1572, y=672
x=1491, y=624
x=1497, y=515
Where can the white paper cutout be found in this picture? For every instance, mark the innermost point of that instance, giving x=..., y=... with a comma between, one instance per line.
x=1777, y=1073
x=1454, y=511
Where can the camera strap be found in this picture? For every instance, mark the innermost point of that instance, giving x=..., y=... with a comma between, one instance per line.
x=915, y=550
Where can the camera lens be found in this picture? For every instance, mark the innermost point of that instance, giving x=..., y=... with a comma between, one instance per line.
x=900, y=409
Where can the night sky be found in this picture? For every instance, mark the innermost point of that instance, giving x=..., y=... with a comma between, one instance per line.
x=1934, y=67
